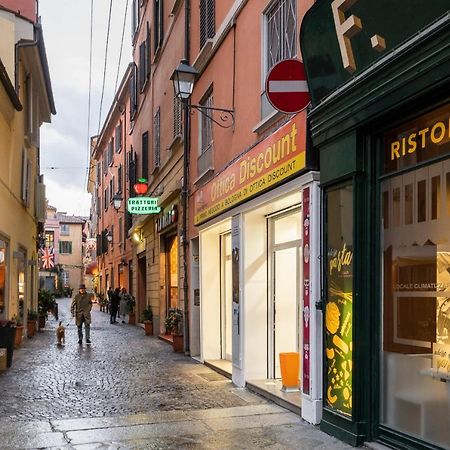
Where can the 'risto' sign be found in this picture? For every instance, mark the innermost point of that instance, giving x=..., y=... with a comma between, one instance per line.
x=143, y=205
x=267, y=164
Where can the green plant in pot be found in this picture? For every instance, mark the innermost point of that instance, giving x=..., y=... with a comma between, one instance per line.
x=147, y=318
x=174, y=322
x=46, y=303
x=31, y=322
x=19, y=331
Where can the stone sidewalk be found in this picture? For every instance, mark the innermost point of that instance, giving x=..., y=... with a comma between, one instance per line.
x=130, y=391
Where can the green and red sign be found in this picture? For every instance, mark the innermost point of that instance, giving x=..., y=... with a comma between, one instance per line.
x=143, y=205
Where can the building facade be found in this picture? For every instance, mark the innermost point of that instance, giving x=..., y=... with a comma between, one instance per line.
x=110, y=165
x=26, y=101
x=380, y=120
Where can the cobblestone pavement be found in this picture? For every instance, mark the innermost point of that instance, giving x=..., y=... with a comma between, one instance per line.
x=129, y=390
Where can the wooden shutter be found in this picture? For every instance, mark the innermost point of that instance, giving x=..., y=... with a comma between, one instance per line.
x=145, y=155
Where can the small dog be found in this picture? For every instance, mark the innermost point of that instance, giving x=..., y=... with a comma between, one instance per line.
x=61, y=334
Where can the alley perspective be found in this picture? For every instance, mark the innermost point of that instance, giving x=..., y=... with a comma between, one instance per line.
x=131, y=391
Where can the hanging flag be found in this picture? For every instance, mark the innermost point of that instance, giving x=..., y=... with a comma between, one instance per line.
x=47, y=257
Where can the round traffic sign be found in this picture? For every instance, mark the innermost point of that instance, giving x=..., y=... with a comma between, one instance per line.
x=286, y=86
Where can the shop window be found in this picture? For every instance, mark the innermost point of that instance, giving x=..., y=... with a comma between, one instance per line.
x=339, y=299
x=396, y=207
x=416, y=310
x=385, y=202
x=3, y=267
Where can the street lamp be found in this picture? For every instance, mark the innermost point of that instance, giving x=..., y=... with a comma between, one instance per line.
x=117, y=201
x=183, y=78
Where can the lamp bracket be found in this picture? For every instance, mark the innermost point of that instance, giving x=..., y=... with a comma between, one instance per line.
x=226, y=116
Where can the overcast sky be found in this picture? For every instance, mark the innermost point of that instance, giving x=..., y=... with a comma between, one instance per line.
x=64, y=142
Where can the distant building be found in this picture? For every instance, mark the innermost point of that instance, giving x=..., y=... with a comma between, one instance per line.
x=62, y=254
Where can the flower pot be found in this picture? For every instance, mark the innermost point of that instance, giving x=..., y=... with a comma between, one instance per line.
x=18, y=336
x=148, y=326
x=31, y=328
x=7, y=335
x=41, y=322
x=132, y=318
x=178, y=343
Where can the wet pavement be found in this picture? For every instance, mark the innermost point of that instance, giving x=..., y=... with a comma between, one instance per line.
x=131, y=391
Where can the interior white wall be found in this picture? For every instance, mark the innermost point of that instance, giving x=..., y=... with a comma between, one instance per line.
x=210, y=290
x=194, y=316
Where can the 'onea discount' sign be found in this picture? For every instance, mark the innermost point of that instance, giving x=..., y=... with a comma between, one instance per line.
x=143, y=205
x=269, y=163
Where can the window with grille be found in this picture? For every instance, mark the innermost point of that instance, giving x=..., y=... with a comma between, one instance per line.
x=118, y=137
x=281, y=32
x=65, y=247
x=177, y=124
x=144, y=173
x=158, y=28
x=207, y=21
x=205, y=161
x=157, y=138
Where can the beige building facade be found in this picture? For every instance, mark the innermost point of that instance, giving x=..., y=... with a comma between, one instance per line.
x=26, y=101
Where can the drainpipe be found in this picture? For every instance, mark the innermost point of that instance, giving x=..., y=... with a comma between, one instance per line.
x=185, y=186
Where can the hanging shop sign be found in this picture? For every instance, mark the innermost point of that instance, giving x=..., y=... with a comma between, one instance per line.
x=143, y=205
x=167, y=218
x=267, y=164
x=419, y=140
x=354, y=34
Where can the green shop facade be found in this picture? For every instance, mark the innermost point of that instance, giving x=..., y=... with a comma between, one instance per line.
x=379, y=78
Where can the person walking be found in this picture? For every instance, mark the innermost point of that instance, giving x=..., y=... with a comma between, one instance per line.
x=115, y=301
x=124, y=297
x=81, y=309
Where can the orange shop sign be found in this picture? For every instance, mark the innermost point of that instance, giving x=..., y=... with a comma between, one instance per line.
x=264, y=166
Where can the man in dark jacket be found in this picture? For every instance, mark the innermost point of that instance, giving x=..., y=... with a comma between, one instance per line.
x=115, y=302
x=81, y=309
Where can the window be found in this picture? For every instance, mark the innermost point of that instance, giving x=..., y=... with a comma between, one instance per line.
x=132, y=176
x=65, y=247
x=142, y=68
x=157, y=138
x=119, y=178
x=177, y=126
x=99, y=206
x=111, y=189
x=205, y=160
x=26, y=178
x=148, y=50
x=133, y=92
x=105, y=199
x=281, y=32
x=144, y=173
x=158, y=23
x=118, y=137
x=3, y=269
x=99, y=172
x=134, y=18
x=111, y=152
x=207, y=21
x=120, y=231
x=64, y=229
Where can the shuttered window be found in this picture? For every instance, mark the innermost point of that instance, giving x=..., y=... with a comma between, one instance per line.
x=132, y=172
x=157, y=138
x=177, y=127
x=118, y=137
x=148, y=50
x=119, y=179
x=144, y=172
x=65, y=247
x=158, y=28
x=207, y=21
x=142, y=68
x=133, y=92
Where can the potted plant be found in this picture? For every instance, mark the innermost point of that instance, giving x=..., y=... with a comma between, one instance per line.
x=19, y=331
x=46, y=303
x=173, y=324
x=131, y=303
x=147, y=318
x=31, y=322
x=7, y=336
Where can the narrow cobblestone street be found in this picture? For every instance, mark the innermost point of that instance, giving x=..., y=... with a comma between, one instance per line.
x=129, y=390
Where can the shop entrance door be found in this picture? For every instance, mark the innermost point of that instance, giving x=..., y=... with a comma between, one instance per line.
x=284, y=301
x=225, y=297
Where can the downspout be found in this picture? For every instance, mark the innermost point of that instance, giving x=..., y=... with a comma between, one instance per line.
x=185, y=187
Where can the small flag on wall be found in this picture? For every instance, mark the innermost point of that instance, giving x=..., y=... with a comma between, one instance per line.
x=47, y=257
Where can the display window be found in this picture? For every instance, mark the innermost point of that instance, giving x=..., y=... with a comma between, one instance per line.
x=415, y=244
x=339, y=299
x=3, y=266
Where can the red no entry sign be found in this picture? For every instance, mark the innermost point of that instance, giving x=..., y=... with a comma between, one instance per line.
x=286, y=86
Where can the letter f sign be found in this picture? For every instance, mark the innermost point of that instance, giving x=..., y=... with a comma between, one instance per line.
x=346, y=28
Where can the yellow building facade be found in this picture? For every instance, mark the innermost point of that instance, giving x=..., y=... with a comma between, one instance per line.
x=26, y=101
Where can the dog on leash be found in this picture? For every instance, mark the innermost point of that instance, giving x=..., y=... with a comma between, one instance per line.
x=61, y=334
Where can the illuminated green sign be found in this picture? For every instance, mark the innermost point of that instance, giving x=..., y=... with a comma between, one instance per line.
x=143, y=205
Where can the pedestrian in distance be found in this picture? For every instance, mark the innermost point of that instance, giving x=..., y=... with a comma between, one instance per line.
x=115, y=302
x=124, y=297
x=81, y=309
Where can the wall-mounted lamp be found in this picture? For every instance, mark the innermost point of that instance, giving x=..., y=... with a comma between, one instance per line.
x=137, y=236
x=117, y=201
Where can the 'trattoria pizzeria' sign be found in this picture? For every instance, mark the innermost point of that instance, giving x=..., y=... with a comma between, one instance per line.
x=143, y=205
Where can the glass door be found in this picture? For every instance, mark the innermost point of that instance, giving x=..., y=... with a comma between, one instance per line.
x=284, y=304
x=226, y=297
